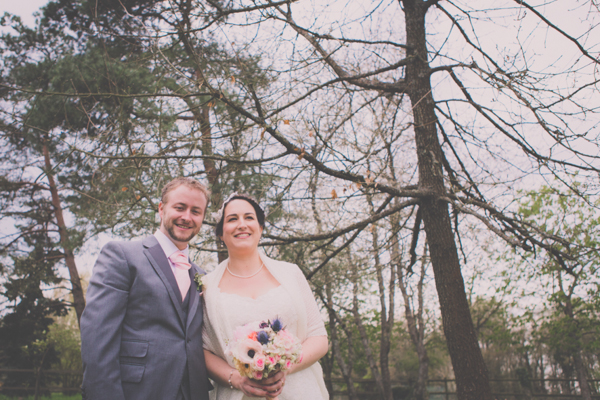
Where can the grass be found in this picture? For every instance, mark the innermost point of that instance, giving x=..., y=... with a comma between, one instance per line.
x=54, y=396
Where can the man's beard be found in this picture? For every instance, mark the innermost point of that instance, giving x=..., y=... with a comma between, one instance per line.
x=171, y=231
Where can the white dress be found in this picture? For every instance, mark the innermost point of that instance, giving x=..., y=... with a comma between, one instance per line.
x=227, y=311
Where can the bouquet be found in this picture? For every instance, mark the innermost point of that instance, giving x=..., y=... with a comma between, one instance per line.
x=260, y=349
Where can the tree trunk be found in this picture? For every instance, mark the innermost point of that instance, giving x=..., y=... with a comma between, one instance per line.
x=387, y=317
x=584, y=385
x=345, y=369
x=38, y=375
x=76, y=289
x=471, y=374
x=416, y=327
x=202, y=116
x=580, y=370
x=211, y=169
x=327, y=362
x=366, y=344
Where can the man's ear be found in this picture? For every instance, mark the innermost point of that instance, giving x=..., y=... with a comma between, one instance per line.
x=160, y=211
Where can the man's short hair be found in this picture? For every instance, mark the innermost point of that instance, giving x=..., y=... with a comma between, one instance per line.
x=189, y=182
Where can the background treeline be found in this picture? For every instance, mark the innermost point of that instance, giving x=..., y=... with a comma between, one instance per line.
x=437, y=183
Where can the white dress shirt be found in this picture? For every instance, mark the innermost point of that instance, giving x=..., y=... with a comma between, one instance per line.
x=169, y=247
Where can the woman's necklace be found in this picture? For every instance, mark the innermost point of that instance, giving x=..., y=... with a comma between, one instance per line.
x=262, y=264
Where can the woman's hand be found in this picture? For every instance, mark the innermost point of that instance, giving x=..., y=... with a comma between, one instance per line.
x=219, y=370
x=270, y=387
x=274, y=384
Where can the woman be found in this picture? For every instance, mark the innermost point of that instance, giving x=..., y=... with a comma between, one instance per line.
x=250, y=286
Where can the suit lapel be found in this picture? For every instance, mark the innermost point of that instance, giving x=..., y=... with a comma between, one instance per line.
x=194, y=297
x=160, y=263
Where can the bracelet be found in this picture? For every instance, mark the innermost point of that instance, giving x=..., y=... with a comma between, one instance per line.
x=229, y=380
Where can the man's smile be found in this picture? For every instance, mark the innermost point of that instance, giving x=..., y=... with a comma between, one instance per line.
x=183, y=226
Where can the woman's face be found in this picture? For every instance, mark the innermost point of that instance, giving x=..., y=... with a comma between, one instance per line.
x=241, y=230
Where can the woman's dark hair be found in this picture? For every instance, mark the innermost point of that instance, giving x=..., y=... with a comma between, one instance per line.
x=260, y=214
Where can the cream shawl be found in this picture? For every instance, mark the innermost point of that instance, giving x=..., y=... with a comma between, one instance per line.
x=217, y=329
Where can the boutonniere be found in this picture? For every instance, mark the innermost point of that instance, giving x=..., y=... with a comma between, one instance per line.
x=199, y=284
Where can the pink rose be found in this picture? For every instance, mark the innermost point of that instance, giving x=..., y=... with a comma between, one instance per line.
x=285, y=336
x=259, y=362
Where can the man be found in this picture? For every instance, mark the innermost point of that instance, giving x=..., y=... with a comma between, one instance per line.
x=141, y=331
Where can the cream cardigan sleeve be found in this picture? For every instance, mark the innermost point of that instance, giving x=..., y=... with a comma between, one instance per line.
x=314, y=320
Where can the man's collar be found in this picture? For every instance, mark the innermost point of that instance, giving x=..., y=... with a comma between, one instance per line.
x=167, y=244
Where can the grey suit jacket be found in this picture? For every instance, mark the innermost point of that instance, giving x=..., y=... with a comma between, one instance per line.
x=137, y=341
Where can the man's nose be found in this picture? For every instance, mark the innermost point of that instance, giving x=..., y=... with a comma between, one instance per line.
x=187, y=215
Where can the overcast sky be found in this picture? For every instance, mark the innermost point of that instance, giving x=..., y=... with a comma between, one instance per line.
x=22, y=8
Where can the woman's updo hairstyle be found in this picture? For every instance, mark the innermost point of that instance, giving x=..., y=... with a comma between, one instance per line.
x=219, y=215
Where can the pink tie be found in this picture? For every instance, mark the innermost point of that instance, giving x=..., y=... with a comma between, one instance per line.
x=182, y=275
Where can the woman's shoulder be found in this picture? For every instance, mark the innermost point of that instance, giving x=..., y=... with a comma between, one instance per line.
x=281, y=266
x=276, y=263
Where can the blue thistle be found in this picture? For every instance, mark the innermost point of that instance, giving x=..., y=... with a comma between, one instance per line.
x=262, y=337
x=276, y=325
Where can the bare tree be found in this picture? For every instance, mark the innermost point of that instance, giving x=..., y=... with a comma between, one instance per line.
x=439, y=180
x=419, y=83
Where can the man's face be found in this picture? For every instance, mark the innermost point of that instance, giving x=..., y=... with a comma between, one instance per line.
x=182, y=214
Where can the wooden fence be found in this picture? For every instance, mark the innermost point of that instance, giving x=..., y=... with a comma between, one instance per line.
x=37, y=383
x=445, y=389
x=43, y=382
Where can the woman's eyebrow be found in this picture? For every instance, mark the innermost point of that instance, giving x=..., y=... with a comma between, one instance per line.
x=235, y=215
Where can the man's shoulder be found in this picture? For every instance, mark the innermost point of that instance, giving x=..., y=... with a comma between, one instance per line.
x=132, y=245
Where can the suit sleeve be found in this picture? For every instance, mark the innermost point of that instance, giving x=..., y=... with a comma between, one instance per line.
x=101, y=324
